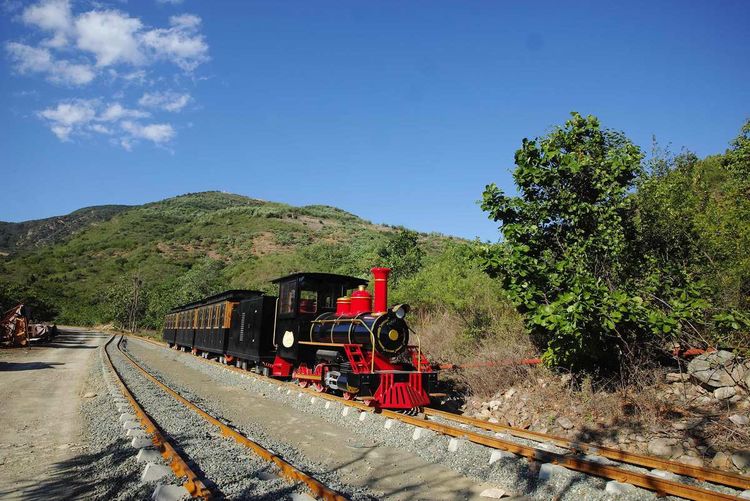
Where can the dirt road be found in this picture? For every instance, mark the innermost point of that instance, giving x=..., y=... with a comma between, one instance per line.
x=40, y=393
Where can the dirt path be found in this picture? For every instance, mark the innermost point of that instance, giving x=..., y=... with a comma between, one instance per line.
x=396, y=473
x=40, y=393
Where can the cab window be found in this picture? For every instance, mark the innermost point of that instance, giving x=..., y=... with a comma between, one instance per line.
x=308, y=301
x=287, y=297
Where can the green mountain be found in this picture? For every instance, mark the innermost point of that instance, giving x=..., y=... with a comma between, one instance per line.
x=82, y=265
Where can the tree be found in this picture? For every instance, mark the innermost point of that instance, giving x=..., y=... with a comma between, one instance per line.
x=402, y=253
x=564, y=237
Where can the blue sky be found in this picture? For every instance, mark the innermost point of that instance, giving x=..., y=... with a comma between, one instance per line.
x=398, y=111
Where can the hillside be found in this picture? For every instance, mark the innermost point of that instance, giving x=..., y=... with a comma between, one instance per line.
x=193, y=242
x=41, y=232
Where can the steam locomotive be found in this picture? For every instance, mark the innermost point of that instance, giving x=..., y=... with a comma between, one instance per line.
x=322, y=330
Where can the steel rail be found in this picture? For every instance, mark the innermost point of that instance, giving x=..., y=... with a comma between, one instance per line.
x=318, y=489
x=661, y=486
x=193, y=484
x=701, y=473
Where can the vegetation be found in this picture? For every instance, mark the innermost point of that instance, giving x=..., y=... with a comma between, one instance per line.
x=130, y=265
x=608, y=261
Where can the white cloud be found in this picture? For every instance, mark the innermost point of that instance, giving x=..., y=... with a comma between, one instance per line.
x=82, y=117
x=173, y=2
x=185, y=21
x=39, y=60
x=68, y=117
x=181, y=43
x=53, y=16
x=116, y=111
x=157, y=133
x=167, y=101
x=110, y=35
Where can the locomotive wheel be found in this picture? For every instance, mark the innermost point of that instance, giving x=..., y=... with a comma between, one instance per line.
x=320, y=370
x=303, y=383
x=348, y=396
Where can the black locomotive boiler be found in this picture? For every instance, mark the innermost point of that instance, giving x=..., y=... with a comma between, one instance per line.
x=322, y=330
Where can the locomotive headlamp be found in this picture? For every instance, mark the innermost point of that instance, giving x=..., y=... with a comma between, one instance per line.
x=400, y=310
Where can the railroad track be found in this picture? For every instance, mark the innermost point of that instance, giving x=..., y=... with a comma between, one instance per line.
x=194, y=484
x=578, y=456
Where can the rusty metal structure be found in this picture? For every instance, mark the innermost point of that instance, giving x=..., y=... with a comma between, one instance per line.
x=14, y=327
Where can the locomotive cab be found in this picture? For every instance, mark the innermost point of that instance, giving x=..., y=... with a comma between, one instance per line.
x=302, y=298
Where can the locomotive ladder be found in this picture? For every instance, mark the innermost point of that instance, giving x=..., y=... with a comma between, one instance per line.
x=356, y=357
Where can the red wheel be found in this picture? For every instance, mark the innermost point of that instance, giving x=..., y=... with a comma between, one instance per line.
x=304, y=384
x=348, y=396
x=320, y=370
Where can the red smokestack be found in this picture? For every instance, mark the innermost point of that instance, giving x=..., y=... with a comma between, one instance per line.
x=381, y=289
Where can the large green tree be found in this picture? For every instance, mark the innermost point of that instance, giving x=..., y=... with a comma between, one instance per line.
x=564, y=238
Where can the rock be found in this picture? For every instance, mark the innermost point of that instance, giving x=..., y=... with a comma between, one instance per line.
x=492, y=493
x=663, y=447
x=618, y=488
x=690, y=460
x=564, y=423
x=739, y=419
x=721, y=461
x=494, y=405
x=725, y=392
x=662, y=474
x=565, y=379
x=744, y=494
x=741, y=459
x=509, y=394
x=713, y=369
x=686, y=424
x=677, y=377
x=89, y=394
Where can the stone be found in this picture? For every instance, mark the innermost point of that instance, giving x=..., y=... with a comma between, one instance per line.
x=498, y=455
x=148, y=456
x=725, y=392
x=677, y=377
x=509, y=394
x=130, y=425
x=453, y=444
x=690, y=460
x=548, y=469
x=140, y=443
x=168, y=492
x=564, y=423
x=493, y=493
x=662, y=447
x=721, y=461
x=741, y=459
x=154, y=472
x=744, y=494
x=618, y=488
x=663, y=474
x=89, y=394
x=739, y=419
x=686, y=424
x=494, y=405
x=713, y=369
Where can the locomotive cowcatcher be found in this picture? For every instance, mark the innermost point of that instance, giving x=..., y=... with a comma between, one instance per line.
x=324, y=330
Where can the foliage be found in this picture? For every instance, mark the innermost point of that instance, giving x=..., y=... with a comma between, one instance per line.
x=402, y=253
x=453, y=284
x=608, y=261
x=180, y=248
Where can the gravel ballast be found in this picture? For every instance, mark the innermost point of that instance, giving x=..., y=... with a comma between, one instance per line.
x=514, y=475
x=229, y=469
